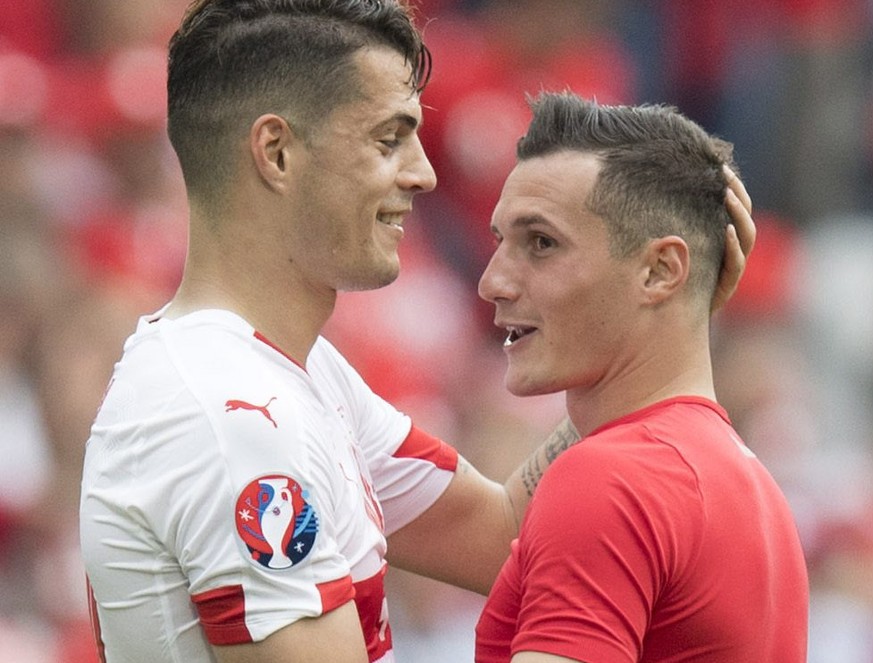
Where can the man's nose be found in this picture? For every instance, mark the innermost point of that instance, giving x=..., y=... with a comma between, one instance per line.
x=495, y=283
x=419, y=174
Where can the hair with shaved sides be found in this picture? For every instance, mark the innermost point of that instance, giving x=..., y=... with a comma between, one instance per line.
x=231, y=61
x=660, y=174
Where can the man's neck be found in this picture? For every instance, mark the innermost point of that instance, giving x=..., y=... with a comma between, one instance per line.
x=655, y=377
x=289, y=314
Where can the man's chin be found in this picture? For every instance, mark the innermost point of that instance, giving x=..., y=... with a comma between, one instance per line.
x=372, y=280
x=522, y=385
x=527, y=384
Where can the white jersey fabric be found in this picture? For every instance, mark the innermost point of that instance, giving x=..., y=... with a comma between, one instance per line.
x=228, y=492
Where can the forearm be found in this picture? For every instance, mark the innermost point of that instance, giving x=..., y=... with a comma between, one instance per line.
x=522, y=483
x=464, y=538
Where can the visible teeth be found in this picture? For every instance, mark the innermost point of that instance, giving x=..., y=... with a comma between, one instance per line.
x=390, y=220
x=514, y=334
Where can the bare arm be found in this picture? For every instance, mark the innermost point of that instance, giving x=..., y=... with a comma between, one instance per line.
x=740, y=239
x=335, y=636
x=521, y=484
x=464, y=538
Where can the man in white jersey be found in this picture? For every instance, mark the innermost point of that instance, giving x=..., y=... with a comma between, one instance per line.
x=242, y=484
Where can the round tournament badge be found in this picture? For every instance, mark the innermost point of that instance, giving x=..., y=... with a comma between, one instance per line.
x=275, y=521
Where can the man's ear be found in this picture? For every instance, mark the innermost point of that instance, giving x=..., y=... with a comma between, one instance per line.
x=270, y=140
x=667, y=263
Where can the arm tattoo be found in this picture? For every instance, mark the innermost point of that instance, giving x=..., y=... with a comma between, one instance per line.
x=531, y=474
x=563, y=437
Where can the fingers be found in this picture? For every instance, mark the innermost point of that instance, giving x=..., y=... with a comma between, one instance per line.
x=732, y=269
x=739, y=206
x=739, y=239
x=736, y=185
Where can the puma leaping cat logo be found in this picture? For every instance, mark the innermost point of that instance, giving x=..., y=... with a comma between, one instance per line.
x=243, y=405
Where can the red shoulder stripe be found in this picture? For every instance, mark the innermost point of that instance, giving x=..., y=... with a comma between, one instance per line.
x=223, y=615
x=419, y=444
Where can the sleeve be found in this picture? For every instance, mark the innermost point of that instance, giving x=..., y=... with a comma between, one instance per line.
x=253, y=530
x=412, y=478
x=589, y=588
x=409, y=468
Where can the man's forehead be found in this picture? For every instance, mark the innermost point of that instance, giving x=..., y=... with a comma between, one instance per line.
x=382, y=69
x=386, y=90
x=542, y=186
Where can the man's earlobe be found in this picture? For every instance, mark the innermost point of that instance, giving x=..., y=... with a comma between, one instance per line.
x=668, y=264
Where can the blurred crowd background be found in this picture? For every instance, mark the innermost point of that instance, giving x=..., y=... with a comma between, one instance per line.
x=93, y=230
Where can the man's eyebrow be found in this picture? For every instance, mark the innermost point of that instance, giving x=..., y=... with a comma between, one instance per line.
x=528, y=220
x=410, y=121
x=523, y=222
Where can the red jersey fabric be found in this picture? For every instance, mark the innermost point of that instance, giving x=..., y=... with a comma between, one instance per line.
x=660, y=537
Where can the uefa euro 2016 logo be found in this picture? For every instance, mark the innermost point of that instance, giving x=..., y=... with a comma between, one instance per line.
x=275, y=521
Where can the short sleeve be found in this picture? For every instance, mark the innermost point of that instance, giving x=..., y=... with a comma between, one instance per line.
x=599, y=542
x=252, y=530
x=409, y=468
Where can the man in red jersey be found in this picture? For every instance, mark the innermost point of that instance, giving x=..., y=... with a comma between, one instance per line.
x=659, y=537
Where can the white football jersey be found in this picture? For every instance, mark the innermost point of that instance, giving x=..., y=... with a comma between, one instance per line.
x=229, y=491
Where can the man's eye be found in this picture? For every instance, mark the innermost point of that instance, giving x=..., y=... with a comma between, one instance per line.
x=541, y=242
x=390, y=143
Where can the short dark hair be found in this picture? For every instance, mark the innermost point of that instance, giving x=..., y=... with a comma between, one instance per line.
x=230, y=61
x=660, y=174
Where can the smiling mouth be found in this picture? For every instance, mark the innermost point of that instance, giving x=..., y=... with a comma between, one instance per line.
x=516, y=333
x=393, y=220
